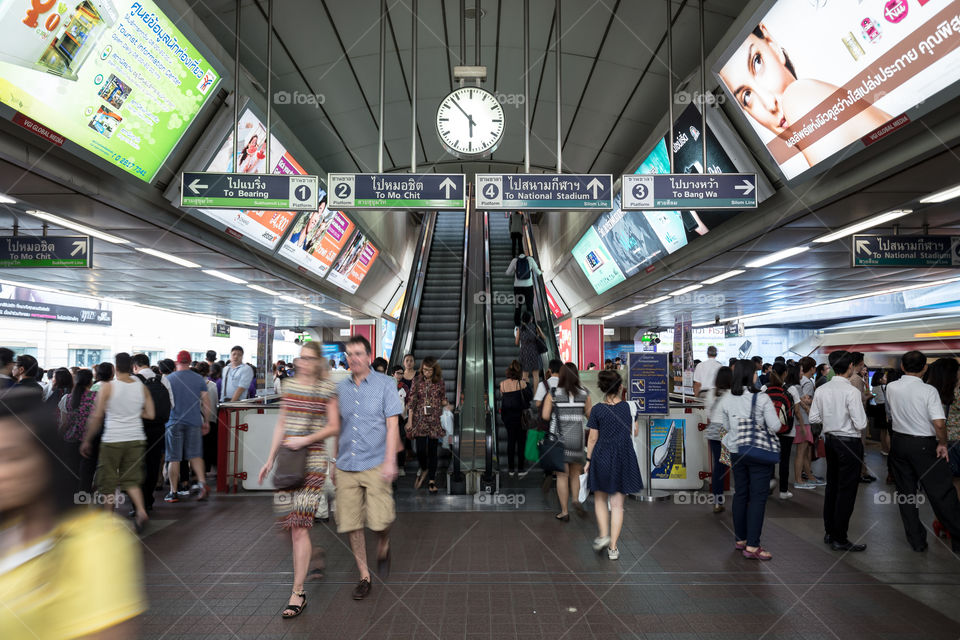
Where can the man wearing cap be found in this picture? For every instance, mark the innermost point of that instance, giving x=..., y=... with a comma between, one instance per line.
x=188, y=423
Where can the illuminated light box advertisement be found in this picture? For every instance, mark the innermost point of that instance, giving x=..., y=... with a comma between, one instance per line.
x=354, y=263
x=812, y=78
x=23, y=302
x=594, y=259
x=116, y=78
x=667, y=456
x=317, y=238
x=635, y=239
x=263, y=227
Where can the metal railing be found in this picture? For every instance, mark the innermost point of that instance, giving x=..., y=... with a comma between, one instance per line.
x=455, y=473
x=411, y=308
x=541, y=308
x=490, y=420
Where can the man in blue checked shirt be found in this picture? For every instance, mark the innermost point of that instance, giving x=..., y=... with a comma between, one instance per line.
x=369, y=441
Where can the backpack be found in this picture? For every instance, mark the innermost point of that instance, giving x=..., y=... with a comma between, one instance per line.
x=784, y=407
x=161, y=400
x=523, y=268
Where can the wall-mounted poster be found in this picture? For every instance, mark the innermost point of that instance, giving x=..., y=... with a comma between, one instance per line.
x=814, y=78
x=354, y=263
x=117, y=78
x=667, y=455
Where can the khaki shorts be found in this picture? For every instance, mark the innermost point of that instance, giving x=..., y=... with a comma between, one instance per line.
x=120, y=465
x=363, y=497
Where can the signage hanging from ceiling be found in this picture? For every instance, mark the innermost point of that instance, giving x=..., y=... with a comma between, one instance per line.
x=20, y=252
x=544, y=191
x=397, y=190
x=118, y=79
x=813, y=78
x=672, y=190
x=270, y=192
x=32, y=304
x=905, y=251
x=621, y=243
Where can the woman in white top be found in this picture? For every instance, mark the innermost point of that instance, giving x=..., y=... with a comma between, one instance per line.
x=719, y=471
x=752, y=478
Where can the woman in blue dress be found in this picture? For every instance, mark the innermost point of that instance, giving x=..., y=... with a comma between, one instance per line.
x=612, y=468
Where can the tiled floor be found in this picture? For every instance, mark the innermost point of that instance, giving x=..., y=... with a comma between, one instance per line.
x=465, y=570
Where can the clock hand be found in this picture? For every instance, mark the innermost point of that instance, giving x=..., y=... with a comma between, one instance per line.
x=457, y=105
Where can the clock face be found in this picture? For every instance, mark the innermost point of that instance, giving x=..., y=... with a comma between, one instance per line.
x=470, y=121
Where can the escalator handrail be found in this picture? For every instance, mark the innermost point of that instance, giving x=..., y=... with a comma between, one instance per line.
x=488, y=374
x=411, y=308
x=541, y=308
x=462, y=347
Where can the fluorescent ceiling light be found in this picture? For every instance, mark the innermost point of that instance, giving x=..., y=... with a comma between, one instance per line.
x=692, y=287
x=942, y=196
x=697, y=325
x=639, y=306
x=660, y=299
x=5, y=199
x=869, y=223
x=168, y=257
x=723, y=276
x=315, y=307
x=269, y=292
x=224, y=276
x=777, y=257
x=292, y=299
x=82, y=228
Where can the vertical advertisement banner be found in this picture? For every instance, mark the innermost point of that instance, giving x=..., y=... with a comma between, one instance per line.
x=354, y=263
x=265, y=330
x=667, y=456
x=565, y=341
x=683, y=354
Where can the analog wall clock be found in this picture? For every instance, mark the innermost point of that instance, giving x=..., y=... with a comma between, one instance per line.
x=470, y=122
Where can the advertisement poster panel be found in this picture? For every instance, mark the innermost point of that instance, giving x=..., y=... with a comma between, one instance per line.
x=814, y=78
x=667, y=455
x=116, y=78
x=354, y=263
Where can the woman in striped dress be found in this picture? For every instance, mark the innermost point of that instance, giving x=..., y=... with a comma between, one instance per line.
x=566, y=407
x=308, y=415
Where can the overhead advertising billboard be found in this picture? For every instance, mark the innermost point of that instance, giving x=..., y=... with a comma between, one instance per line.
x=317, y=238
x=634, y=239
x=116, y=78
x=814, y=78
x=23, y=302
x=263, y=227
x=354, y=263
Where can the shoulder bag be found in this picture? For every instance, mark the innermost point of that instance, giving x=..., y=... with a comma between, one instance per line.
x=550, y=447
x=754, y=442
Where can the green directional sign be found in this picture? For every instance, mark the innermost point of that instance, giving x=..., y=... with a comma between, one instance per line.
x=905, y=251
x=396, y=191
x=19, y=252
x=249, y=191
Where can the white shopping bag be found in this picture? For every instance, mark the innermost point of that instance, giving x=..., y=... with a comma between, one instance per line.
x=584, y=492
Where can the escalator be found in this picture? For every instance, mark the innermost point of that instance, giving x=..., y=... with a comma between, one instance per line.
x=437, y=330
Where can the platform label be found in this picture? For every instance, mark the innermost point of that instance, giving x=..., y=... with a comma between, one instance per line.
x=249, y=191
x=396, y=190
x=544, y=191
x=25, y=252
x=672, y=191
x=905, y=251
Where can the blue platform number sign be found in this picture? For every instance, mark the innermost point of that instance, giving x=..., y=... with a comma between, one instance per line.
x=302, y=193
x=640, y=191
x=491, y=192
x=342, y=190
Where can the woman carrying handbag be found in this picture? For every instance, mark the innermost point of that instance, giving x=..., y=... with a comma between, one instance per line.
x=308, y=415
x=428, y=397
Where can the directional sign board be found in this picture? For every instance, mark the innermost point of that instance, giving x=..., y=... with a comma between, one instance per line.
x=396, y=191
x=544, y=191
x=17, y=252
x=249, y=191
x=906, y=251
x=671, y=191
x=647, y=375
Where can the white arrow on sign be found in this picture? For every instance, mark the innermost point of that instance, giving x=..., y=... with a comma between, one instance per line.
x=446, y=185
x=79, y=246
x=594, y=185
x=863, y=246
x=195, y=186
x=746, y=188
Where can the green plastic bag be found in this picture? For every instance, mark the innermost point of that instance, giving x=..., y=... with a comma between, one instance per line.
x=532, y=452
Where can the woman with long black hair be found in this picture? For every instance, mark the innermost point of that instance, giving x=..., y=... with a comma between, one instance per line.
x=566, y=407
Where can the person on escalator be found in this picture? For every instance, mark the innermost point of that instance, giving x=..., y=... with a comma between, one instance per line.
x=516, y=233
x=526, y=339
x=428, y=398
x=550, y=382
x=522, y=269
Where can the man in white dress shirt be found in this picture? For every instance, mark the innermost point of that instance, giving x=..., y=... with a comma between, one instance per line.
x=705, y=375
x=918, y=452
x=839, y=407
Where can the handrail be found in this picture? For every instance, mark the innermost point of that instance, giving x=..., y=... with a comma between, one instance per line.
x=462, y=350
x=491, y=416
x=540, y=305
x=411, y=308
